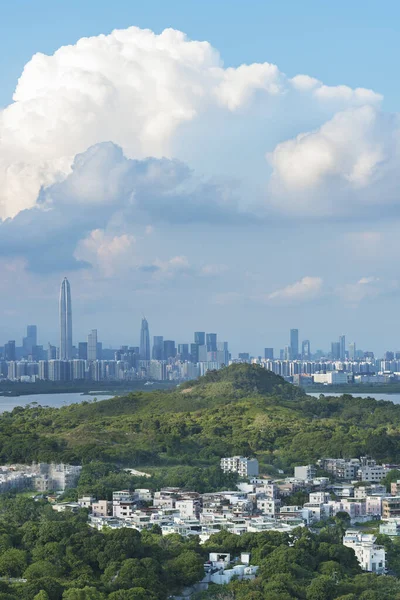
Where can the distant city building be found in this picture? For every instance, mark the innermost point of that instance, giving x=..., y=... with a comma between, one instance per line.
x=294, y=343
x=194, y=353
x=144, y=340
x=65, y=321
x=200, y=338
x=83, y=350
x=158, y=348
x=30, y=341
x=183, y=351
x=342, y=347
x=211, y=342
x=269, y=353
x=335, y=350
x=92, y=345
x=169, y=349
x=306, y=350
x=352, y=351
x=9, y=350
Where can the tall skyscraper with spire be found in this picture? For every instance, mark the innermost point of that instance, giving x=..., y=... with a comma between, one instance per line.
x=144, y=340
x=65, y=321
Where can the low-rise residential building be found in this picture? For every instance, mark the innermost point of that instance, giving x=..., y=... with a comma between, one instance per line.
x=372, y=473
x=390, y=527
x=363, y=491
x=370, y=557
x=391, y=507
x=245, y=467
x=218, y=569
x=305, y=473
x=102, y=508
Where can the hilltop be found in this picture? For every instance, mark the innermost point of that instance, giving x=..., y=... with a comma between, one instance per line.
x=242, y=409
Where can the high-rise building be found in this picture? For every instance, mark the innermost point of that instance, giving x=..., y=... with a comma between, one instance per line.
x=183, y=351
x=82, y=350
x=144, y=340
x=335, y=350
x=342, y=344
x=305, y=350
x=158, y=348
x=294, y=343
x=211, y=342
x=92, y=345
x=51, y=352
x=200, y=338
x=194, y=353
x=30, y=341
x=269, y=353
x=352, y=350
x=65, y=321
x=169, y=349
x=9, y=350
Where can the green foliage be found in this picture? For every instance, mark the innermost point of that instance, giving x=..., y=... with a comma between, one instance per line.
x=242, y=409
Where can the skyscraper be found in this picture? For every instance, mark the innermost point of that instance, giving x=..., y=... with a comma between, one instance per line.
x=342, y=344
x=92, y=345
x=200, y=338
x=65, y=321
x=211, y=342
x=294, y=343
x=305, y=350
x=144, y=340
x=269, y=353
x=169, y=349
x=30, y=341
x=9, y=350
x=158, y=347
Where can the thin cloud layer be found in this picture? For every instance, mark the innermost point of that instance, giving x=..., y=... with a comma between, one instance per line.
x=307, y=288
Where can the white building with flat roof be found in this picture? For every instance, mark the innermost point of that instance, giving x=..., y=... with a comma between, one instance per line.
x=370, y=557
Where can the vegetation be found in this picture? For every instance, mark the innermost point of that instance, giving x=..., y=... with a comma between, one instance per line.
x=179, y=436
x=243, y=409
x=61, y=558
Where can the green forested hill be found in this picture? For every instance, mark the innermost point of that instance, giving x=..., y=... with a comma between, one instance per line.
x=242, y=409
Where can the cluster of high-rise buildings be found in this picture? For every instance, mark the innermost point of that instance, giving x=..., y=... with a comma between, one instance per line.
x=164, y=359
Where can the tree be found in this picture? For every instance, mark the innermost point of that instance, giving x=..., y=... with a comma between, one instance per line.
x=40, y=569
x=42, y=595
x=13, y=563
x=86, y=593
x=321, y=588
x=185, y=569
x=136, y=593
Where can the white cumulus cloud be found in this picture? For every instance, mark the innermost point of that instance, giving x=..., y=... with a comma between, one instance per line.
x=140, y=91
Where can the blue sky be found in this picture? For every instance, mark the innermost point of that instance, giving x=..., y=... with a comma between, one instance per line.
x=201, y=191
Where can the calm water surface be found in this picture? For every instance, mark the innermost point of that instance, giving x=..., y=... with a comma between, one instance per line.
x=395, y=398
x=53, y=400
